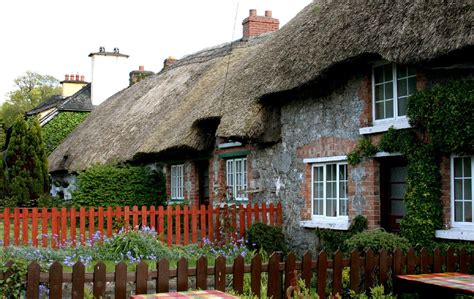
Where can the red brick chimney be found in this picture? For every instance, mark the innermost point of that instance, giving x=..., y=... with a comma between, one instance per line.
x=169, y=62
x=255, y=25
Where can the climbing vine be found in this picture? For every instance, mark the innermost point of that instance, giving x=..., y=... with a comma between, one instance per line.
x=56, y=130
x=442, y=123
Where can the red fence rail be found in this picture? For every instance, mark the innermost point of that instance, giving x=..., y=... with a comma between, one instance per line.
x=366, y=270
x=174, y=224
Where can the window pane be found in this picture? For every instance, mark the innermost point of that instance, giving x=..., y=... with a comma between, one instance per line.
x=320, y=190
x=467, y=211
x=331, y=208
x=411, y=85
x=467, y=167
x=411, y=70
x=343, y=172
x=388, y=90
x=402, y=88
x=388, y=72
x=378, y=74
x=457, y=167
x=343, y=190
x=401, y=71
x=402, y=106
x=458, y=189
x=331, y=172
x=343, y=208
x=318, y=174
x=458, y=211
x=379, y=110
x=379, y=95
x=468, y=189
x=389, y=109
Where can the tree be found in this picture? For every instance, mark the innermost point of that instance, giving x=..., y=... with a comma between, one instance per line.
x=31, y=90
x=26, y=163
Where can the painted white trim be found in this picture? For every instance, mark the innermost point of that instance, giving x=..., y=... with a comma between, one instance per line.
x=383, y=126
x=325, y=159
x=386, y=154
x=456, y=234
x=338, y=224
x=464, y=226
x=48, y=117
x=229, y=144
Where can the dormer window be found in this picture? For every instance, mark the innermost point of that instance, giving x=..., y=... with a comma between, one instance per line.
x=392, y=85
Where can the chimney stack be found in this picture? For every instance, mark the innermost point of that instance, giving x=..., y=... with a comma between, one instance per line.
x=141, y=68
x=82, y=78
x=255, y=25
x=169, y=62
x=66, y=77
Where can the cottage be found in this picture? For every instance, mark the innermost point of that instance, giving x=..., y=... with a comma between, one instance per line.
x=272, y=117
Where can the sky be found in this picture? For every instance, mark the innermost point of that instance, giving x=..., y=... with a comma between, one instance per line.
x=55, y=37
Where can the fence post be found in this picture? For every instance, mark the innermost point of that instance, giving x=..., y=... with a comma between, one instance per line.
x=321, y=278
x=369, y=269
x=44, y=226
x=256, y=274
x=450, y=260
x=109, y=221
x=238, y=274
x=72, y=233
x=141, y=277
x=194, y=215
x=100, y=215
x=264, y=213
x=16, y=226
x=63, y=226
x=279, y=214
x=242, y=220
x=91, y=223
x=186, y=224
x=201, y=273
x=54, y=228
x=411, y=261
x=337, y=273
x=178, y=225
x=34, y=227
x=182, y=275
x=78, y=280
x=82, y=224
x=163, y=276
x=135, y=217
x=219, y=273
x=274, y=277
x=6, y=227
x=32, y=281
x=306, y=269
x=161, y=223
x=169, y=214
x=120, y=281
x=290, y=267
x=25, y=216
x=144, y=216
x=383, y=266
x=55, y=281
x=355, y=270
x=424, y=261
x=99, y=280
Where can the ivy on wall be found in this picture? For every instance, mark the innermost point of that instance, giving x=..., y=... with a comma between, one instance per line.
x=57, y=129
x=442, y=123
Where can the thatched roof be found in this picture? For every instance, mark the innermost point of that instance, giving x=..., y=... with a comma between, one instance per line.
x=163, y=113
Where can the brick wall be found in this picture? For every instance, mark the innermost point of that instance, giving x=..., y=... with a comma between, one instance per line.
x=445, y=171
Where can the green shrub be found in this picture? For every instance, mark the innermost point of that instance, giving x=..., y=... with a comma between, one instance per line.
x=119, y=185
x=15, y=284
x=266, y=237
x=56, y=130
x=377, y=292
x=377, y=240
x=331, y=240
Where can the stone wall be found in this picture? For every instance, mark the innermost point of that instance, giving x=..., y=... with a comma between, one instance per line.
x=307, y=123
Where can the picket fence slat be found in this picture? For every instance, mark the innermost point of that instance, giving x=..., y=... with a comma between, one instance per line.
x=99, y=280
x=78, y=280
x=120, y=281
x=141, y=278
x=321, y=274
x=182, y=275
x=219, y=274
x=162, y=280
x=201, y=273
x=256, y=274
x=274, y=281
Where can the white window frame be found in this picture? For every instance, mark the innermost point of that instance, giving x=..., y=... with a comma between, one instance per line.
x=234, y=190
x=397, y=122
x=177, y=182
x=454, y=224
x=394, y=93
x=324, y=218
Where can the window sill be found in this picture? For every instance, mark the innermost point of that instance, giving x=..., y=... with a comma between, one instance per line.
x=329, y=224
x=383, y=126
x=465, y=234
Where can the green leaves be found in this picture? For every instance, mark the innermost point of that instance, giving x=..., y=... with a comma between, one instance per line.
x=56, y=130
x=26, y=169
x=119, y=185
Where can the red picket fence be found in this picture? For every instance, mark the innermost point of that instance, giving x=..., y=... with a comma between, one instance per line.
x=366, y=270
x=174, y=225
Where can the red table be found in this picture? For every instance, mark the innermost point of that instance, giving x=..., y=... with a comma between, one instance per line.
x=438, y=285
x=189, y=294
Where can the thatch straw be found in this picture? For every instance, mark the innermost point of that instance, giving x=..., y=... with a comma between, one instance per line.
x=157, y=114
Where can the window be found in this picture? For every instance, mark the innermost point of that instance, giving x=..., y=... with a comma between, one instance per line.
x=177, y=182
x=392, y=85
x=236, y=171
x=329, y=190
x=461, y=190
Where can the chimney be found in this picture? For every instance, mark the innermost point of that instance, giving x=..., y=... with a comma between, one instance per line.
x=137, y=76
x=77, y=77
x=255, y=25
x=71, y=77
x=66, y=77
x=82, y=78
x=169, y=62
x=141, y=68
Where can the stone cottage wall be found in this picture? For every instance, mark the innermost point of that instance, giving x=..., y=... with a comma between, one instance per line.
x=312, y=127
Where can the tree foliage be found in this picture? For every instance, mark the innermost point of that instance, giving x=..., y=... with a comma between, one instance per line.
x=31, y=89
x=26, y=167
x=57, y=129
